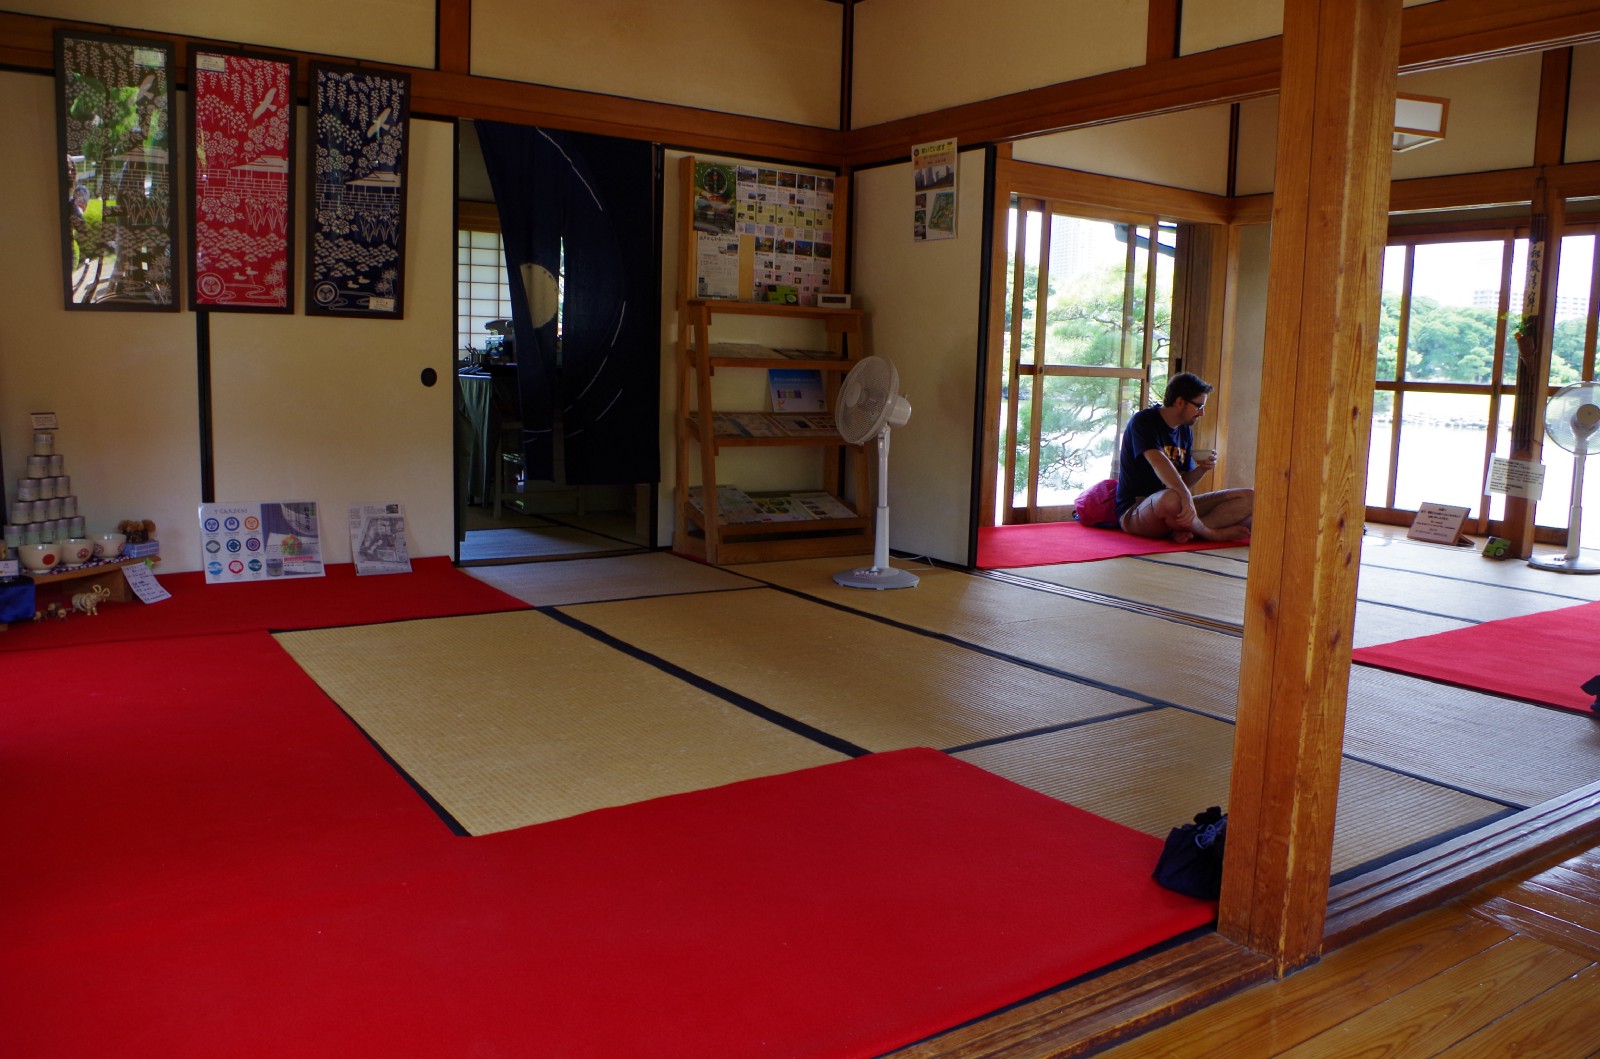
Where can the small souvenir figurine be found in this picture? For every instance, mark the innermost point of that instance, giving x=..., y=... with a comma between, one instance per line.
x=89, y=602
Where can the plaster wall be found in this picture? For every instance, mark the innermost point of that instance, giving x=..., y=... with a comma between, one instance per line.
x=914, y=56
x=779, y=62
x=922, y=301
x=304, y=407
x=390, y=31
x=1187, y=149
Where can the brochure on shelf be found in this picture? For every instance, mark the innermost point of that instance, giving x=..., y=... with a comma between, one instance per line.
x=796, y=390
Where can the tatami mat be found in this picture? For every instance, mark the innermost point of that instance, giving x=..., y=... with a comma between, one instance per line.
x=541, y=542
x=1154, y=771
x=877, y=686
x=1498, y=749
x=615, y=577
x=1469, y=564
x=513, y=719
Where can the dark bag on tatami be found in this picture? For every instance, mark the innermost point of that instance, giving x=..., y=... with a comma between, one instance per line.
x=1191, y=859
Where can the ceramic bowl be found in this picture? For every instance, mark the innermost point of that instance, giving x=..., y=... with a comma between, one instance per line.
x=40, y=557
x=109, y=545
x=76, y=552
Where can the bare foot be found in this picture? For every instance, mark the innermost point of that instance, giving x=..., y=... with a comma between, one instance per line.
x=1182, y=536
x=1231, y=533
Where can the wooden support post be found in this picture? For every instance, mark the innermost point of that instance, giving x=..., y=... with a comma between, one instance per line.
x=1329, y=219
x=1535, y=324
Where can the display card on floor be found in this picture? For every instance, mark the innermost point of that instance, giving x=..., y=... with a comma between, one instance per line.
x=257, y=541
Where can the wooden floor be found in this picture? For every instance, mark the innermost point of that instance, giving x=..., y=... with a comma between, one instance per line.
x=1511, y=968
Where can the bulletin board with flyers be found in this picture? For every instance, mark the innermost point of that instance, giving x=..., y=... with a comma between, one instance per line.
x=763, y=233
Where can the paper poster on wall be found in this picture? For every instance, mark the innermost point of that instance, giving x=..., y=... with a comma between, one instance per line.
x=258, y=541
x=763, y=232
x=933, y=178
x=378, y=539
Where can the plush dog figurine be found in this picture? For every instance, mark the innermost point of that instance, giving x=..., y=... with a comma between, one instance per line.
x=137, y=530
x=89, y=602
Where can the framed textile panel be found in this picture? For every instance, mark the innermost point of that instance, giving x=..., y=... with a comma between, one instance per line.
x=114, y=110
x=241, y=185
x=357, y=223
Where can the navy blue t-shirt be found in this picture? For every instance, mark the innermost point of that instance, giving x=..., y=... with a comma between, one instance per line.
x=1136, y=479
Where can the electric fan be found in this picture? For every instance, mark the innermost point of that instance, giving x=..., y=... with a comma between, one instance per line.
x=1569, y=420
x=870, y=404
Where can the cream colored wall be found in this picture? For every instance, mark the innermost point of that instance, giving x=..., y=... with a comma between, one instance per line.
x=1258, y=146
x=1583, y=109
x=922, y=314
x=391, y=31
x=333, y=410
x=769, y=61
x=1491, y=123
x=913, y=56
x=1209, y=24
x=1243, y=396
x=1188, y=149
x=304, y=408
x=122, y=384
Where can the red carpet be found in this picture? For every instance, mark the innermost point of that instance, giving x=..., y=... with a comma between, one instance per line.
x=433, y=589
x=203, y=857
x=1047, y=543
x=1540, y=658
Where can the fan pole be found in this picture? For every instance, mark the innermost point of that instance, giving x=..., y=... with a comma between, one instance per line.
x=880, y=575
x=1569, y=561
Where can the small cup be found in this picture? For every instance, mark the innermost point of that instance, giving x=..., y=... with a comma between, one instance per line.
x=69, y=506
x=30, y=533
x=52, y=508
x=76, y=551
x=75, y=526
x=109, y=545
x=21, y=512
x=38, y=466
x=13, y=535
x=28, y=489
x=57, y=464
x=63, y=484
x=44, y=443
x=47, y=488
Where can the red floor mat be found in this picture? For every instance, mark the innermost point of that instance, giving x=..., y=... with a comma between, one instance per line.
x=1541, y=658
x=1048, y=543
x=203, y=857
x=433, y=589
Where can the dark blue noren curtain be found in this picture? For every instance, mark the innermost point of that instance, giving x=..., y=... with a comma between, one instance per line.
x=600, y=387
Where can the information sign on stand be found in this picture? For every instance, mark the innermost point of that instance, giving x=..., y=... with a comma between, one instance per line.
x=1437, y=524
x=252, y=542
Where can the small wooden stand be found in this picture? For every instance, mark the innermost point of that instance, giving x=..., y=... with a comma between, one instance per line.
x=59, y=586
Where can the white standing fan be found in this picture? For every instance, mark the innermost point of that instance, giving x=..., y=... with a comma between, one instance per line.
x=1569, y=420
x=870, y=404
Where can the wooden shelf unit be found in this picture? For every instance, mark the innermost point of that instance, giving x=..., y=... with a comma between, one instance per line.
x=703, y=533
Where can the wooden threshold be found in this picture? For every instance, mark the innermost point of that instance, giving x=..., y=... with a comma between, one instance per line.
x=1117, y=1006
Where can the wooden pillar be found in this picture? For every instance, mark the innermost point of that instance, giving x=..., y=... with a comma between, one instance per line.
x=1535, y=325
x=1329, y=218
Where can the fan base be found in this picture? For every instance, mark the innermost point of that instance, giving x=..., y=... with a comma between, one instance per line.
x=1561, y=564
x=879, y=577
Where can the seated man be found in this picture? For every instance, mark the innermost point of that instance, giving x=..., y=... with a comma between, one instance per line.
x=1157, y=471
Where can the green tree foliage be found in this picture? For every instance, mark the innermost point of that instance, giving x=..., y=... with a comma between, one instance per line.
x=1080, y=418
x=1451, y=343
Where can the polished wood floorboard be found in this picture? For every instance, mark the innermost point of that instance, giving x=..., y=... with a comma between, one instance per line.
x=1510, y=968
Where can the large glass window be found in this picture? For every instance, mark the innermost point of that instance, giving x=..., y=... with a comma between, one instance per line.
x=1447, y=368
x=482, y=292
x=1088, y=325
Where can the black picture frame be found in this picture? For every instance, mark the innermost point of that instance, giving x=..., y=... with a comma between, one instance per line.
x=356, y=191
x=243, y=159
x=115, y=149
